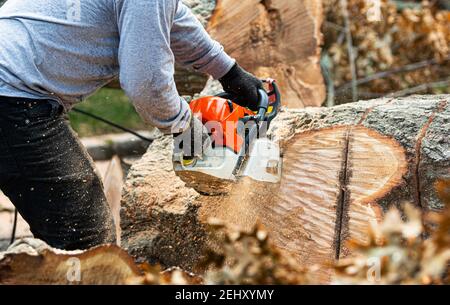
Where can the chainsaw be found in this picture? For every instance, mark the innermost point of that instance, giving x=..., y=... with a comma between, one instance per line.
x=240, y=146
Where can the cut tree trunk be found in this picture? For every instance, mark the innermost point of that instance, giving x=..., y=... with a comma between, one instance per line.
x=279, y=39
x=32, y=262
x=343, y=167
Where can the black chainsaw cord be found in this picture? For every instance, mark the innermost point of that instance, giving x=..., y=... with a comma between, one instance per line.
x=127, y=130
x=100, y=119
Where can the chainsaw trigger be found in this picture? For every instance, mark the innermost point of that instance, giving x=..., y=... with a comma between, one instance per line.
x=189, y=162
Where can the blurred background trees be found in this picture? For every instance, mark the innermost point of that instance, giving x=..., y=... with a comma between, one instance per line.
x=399, y=48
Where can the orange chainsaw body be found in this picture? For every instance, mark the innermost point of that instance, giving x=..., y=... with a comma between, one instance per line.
x=221, y=117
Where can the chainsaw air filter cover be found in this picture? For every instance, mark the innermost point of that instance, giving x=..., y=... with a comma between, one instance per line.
x=221, y=117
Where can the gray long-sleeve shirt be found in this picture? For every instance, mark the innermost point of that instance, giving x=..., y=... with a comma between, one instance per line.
x=67, y=49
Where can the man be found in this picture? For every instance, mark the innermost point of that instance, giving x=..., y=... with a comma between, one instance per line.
x=55, y=53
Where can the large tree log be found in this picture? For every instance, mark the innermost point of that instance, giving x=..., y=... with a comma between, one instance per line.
x=32, y=262
x=275, y=38
x=343, y=167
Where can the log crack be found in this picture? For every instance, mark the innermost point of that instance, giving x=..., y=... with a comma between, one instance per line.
x=270, y=29
x=292, y=85
x=343, y=199
x=418, y=151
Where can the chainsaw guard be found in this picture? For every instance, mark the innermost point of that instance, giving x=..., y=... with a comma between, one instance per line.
x=213, y=175
x=217, y=172
x=264, y=163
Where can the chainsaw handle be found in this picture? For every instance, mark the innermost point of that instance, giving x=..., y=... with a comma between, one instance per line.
x=277, y=104
x=226, y=96
x=263, y=103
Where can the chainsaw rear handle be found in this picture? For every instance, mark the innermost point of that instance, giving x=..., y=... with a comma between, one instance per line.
x=275, y=105
x=263, y=103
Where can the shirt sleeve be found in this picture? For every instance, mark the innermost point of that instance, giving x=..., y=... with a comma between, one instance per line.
x=193, y=47
x=147, y=62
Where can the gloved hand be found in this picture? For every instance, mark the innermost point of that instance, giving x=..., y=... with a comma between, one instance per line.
x=243, y=85
x=194, y=142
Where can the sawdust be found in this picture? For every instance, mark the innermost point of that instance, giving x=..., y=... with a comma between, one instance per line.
x=240, y=208
x=154, y=200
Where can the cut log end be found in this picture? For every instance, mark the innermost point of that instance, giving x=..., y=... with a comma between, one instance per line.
x=277, y=39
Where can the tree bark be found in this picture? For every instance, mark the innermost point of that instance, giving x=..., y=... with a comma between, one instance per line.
x=343, y=167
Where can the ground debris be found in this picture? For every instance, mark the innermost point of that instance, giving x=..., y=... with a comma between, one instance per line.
x=155, y=275
x=386, y=39
x=402, y=251
x=398, y=252
x=249, y=258
x=238, y=258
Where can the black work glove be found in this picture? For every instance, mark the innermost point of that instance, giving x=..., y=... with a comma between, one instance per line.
x=194, y=142
x=243, y=85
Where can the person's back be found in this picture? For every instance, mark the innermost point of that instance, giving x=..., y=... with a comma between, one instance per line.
x=57, y=48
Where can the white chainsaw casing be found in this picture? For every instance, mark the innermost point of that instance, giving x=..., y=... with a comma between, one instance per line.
x=264, y=162
x=219, y=169
x=219, y=163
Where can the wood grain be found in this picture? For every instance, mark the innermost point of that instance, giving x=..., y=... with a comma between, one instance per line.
x=279, y=39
